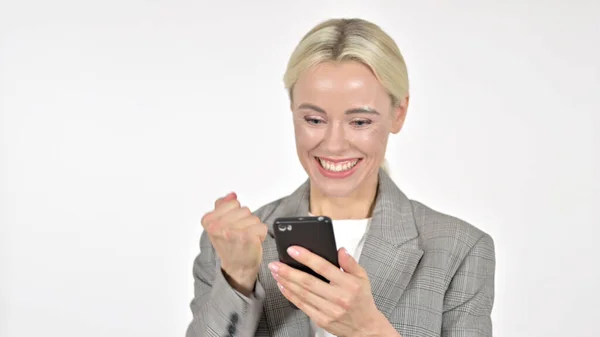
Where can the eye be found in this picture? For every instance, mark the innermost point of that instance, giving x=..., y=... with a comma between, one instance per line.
x=360, y=122
x=313, y=121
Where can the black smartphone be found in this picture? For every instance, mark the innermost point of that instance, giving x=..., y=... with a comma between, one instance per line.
x=314, y=233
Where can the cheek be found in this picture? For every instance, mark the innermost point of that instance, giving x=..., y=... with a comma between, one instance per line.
x=372, y=140
x=307, y=137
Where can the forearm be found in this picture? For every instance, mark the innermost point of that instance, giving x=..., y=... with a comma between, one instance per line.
x=217, y=307
x=223, y=309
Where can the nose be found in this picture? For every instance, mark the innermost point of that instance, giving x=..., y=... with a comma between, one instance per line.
x=335, y=140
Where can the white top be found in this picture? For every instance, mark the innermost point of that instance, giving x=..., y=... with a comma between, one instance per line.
x=349, y=234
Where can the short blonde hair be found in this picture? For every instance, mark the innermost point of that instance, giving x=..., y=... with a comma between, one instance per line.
x=337, y=40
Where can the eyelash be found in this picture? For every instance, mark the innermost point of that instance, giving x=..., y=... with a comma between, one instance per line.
x=316, y=121
x=365, y=121
x=312, y=121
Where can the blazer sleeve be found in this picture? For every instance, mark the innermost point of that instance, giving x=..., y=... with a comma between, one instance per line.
x=470, y=297
x=219, y=310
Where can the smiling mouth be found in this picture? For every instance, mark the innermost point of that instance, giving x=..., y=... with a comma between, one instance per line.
x=338, y=166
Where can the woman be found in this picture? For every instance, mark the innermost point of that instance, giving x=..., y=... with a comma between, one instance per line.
x=411, y=271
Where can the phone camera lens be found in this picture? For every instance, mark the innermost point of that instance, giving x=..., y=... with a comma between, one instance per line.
x=282, y=228
x=289, y=227
x=320, y=218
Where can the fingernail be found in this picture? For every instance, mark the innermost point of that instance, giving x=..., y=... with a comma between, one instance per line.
x=346, y=252
x=279, y=285
x=274, y=268
x=293, y=251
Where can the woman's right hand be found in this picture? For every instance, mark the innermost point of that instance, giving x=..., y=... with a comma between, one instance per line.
x=237, y=236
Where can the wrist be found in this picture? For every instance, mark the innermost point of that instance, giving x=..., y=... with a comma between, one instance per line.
x=379, y=326
x=241, y=280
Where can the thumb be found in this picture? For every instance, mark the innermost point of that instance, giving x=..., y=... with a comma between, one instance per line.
x=349, y=264
x=230, y=196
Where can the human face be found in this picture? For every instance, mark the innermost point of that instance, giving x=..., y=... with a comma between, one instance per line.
x=342, y=120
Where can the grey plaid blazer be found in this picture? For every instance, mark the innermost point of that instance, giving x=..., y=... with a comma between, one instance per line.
x=431, y=275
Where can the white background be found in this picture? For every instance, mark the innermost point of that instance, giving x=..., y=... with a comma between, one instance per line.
x=123, y=120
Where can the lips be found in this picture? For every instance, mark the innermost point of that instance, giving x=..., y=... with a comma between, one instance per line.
x=338, y=165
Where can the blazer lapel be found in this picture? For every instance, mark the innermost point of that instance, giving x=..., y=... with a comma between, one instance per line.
x=390, y=253
x=282, y=319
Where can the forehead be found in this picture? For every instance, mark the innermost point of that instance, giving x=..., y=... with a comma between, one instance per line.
x=340, y=84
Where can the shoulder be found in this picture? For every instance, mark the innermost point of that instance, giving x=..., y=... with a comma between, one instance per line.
x=265, y=211
x=450, y=236
x=434, y=224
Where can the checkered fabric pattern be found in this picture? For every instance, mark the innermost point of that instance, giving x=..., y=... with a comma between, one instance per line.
x=431, y=275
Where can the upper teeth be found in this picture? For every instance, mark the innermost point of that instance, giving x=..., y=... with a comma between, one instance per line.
x=338, y=167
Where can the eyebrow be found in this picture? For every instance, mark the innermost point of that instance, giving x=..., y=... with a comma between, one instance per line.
x=361, y=110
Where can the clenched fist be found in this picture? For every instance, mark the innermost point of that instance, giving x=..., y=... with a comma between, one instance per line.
x=237, y=236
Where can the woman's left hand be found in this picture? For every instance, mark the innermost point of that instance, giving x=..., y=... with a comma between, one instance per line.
x=345, y=306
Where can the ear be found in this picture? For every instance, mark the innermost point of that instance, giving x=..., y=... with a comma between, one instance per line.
x=399, y=115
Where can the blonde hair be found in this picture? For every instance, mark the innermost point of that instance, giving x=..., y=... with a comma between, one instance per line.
x=337, y=40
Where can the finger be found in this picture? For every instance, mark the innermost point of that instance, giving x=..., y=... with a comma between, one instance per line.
x=254, y=233
x=238, y=217
x=243, y=231
x=350, y=265
x=224, y=207
x=304, y=280
x=258, y=229
x=205, y=220
x=320, y=318
x=209, y=219
x=318, y=264
x=230, y=196
x=313, y=292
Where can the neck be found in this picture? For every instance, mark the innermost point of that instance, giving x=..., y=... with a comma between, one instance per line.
x=359, y=205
